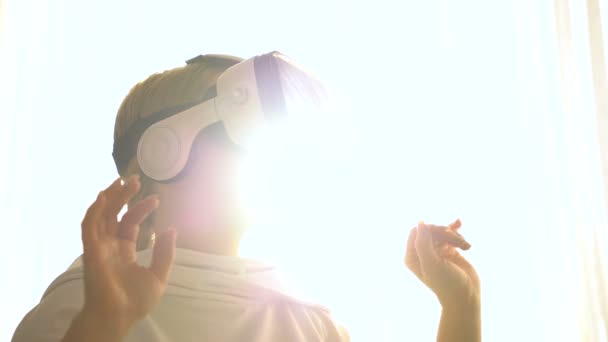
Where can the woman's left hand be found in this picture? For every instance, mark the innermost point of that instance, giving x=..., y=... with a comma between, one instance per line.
x=432, y=256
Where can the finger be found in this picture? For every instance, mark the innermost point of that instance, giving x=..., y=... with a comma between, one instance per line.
x=430, y=261
x=113, y=188
x=443, y=234
x=129, y=224
x=118, y=195
x=91, y=223
x=455, y=225
x=112, y=191
x=163, y=254
x=411, y=256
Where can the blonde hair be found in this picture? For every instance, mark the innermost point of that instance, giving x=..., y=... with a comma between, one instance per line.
x=175, y=87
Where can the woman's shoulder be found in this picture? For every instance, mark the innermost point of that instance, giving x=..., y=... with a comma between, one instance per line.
x=52, y=316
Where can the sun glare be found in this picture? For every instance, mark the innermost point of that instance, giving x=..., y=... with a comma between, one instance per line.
x=288, y=172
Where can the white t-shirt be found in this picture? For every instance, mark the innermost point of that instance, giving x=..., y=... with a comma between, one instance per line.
x=208, y=298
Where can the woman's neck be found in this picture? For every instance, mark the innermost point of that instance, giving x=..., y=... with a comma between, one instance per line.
x=211, y=241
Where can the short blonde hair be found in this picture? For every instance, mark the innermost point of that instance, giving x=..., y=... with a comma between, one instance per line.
x=171, y=88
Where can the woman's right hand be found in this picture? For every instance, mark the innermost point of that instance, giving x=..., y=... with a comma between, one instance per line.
x=118, y=291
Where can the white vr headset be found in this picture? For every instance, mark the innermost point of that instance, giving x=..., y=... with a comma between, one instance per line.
x=247, y=95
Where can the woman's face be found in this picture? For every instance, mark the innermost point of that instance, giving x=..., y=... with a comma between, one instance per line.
x=206, y=196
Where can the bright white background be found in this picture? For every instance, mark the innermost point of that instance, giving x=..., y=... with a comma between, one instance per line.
x=442, y=129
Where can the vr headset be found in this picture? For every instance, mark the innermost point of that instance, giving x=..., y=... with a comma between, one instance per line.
x=247, y=96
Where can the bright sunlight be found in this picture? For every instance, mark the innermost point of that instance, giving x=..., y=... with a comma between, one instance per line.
x=440, y=110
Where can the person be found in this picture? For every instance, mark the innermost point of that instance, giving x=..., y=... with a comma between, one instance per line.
x=168, y=269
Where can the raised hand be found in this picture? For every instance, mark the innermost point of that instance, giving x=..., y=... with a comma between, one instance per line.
x=118, y=291
x=432, y=256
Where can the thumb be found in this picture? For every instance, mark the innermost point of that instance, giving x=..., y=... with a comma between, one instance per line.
x=430, y=261
x=163, y=254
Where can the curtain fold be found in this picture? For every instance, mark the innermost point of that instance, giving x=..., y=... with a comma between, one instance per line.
x=600, y=87
x=585, y=127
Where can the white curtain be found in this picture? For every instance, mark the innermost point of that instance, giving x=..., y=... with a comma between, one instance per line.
x=563, y=82
x=496, y=112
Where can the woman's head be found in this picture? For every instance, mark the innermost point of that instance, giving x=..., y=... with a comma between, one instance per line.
x=202, y=203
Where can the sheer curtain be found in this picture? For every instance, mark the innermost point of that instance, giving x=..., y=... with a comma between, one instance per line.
x=569, y=88
x=563, y=83
x=495, y=112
